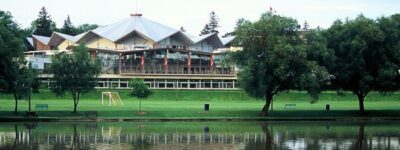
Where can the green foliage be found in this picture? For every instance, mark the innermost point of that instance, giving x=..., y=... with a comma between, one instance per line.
x=68, y=28
x=11, y=50
x=212, y=25
x=276, y=58
x=85, y=28
x=367, y=56
x=139, y=89
x=75, y=73
x=44, y=25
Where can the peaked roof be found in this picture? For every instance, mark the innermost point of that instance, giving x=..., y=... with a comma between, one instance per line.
x=197, y=39
x=150, y=29
x=42, y=39
x=227, y=40
x=137, y=24
x=30, y=40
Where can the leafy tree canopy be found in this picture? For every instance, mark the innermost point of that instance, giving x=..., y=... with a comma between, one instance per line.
x=367, y=56
x=85, y=28
x=139, y=89
x=275, y=58
x=75, y=73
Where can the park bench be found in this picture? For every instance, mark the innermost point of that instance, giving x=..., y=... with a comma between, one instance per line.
x=290, y=106
x=91, y=114
x=31, y=115
x=42, y=107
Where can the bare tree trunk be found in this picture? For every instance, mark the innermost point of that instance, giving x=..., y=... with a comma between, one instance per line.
x=75, y=95
x=76, y=101
x=16, y=103
x=268, y=100
x=361, y=102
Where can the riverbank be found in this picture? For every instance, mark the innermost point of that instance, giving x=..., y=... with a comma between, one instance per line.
x=187, y=105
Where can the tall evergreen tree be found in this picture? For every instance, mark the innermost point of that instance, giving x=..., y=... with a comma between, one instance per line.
x=212, y=25
x=213, y=22
x=182, y=29
x=206, y=30
x=68, y=28
x=44, y=26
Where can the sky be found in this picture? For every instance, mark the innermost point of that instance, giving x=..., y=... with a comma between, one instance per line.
x=194, y=14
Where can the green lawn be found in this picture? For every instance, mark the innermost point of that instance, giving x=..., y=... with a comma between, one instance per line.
x=190, y=103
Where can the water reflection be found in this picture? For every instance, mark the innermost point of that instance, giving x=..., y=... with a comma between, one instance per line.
x=200, y=135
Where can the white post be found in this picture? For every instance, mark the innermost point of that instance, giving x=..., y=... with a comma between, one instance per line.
x=109, y=98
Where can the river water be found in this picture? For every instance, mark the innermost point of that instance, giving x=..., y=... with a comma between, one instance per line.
x=201, y=135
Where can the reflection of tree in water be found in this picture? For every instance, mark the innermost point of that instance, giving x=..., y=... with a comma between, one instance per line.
x=76, y=143
x=261, y=145
x=142, y=144
x=19, y=145
x=361, y=141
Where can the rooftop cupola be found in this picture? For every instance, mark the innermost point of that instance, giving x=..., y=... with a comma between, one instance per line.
x=136, y=14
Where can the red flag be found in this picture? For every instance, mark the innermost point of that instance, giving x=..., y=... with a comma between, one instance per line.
x=165, y=61
x=189, y=61
x=142, y=61
x=212, y=61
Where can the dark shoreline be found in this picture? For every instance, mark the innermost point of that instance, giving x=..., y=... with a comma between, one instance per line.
x=186, y=119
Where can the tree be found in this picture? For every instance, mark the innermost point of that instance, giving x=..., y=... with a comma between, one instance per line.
x=25, y=81
x=68, y=28
x=11, y=57
x=85, y=28
x=182, y=29
x=75, y=73
x=212, y=25
x=205, y=31
x=365, y=57
x=43, y=25
x=306, y=26
x=213, y=22
x=275, y=59
x=140, y=91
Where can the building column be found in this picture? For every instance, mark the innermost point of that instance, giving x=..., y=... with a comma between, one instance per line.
x=119, y=63
x=132, y=57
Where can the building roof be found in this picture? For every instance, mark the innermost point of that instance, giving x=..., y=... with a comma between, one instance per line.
x=150, y=29
x=227, y=40
x=30, y=40
x=197, y=39
x=137, y=24
x=42, y=39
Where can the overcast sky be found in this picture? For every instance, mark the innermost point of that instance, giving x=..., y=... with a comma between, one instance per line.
x=193, y=14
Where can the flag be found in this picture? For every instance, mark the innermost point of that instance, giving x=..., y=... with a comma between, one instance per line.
x=165, y=61
x=142, y=61
x=189, y=61
x=212, y=61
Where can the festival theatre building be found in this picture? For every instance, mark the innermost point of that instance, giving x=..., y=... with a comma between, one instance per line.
x=166, y=58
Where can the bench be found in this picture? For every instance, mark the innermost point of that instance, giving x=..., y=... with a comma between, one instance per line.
x=42, y=107
x=31, y=115
x=91, y=114
x=290, y=106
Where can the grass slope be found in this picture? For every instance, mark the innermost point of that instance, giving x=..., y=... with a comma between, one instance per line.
x=190, y=103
